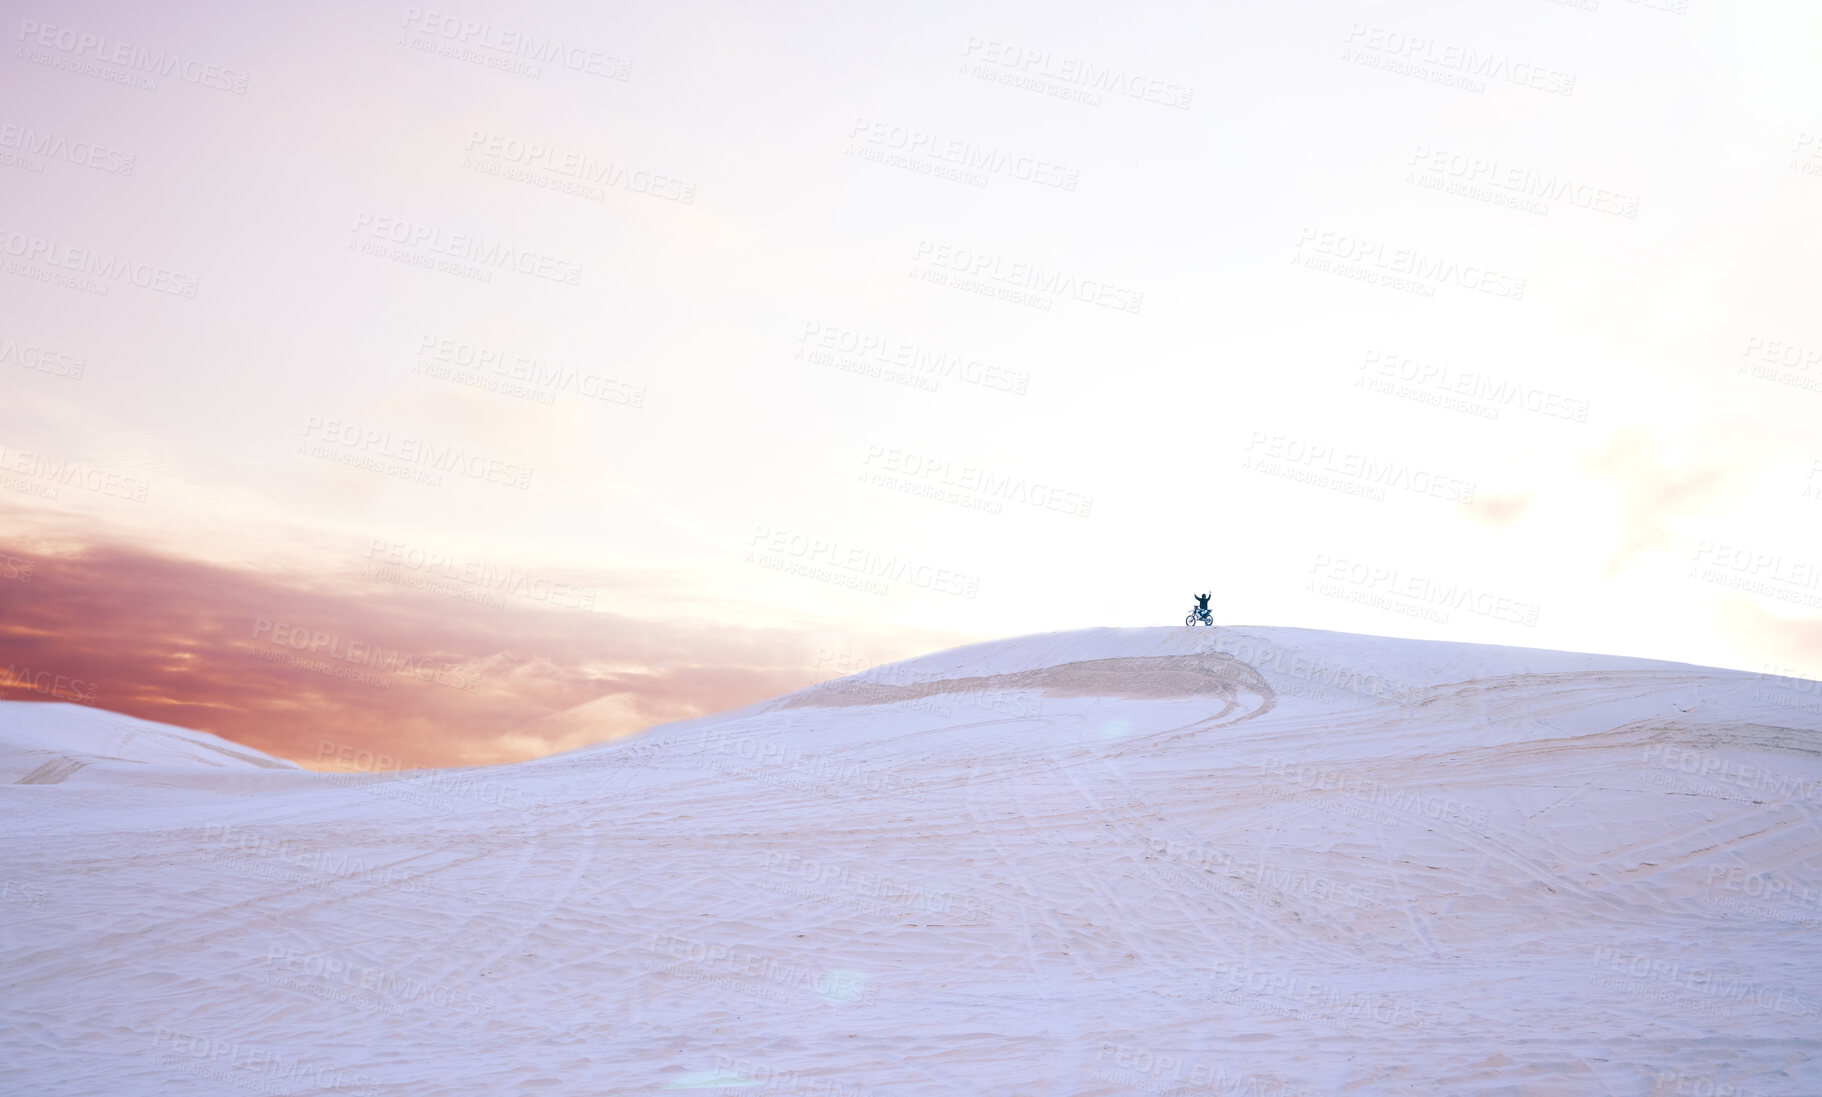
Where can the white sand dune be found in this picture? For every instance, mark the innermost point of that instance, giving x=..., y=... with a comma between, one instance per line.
x=1230, y=861
x=52, y=743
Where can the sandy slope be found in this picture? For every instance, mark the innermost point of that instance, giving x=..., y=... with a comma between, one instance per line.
x=51, y=743
x=1232, y=861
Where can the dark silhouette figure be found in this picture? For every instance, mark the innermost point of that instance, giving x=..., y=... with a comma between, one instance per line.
x=1202, y=602
x=1200, y=615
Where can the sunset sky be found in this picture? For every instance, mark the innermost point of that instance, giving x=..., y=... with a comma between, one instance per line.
x=465, y=384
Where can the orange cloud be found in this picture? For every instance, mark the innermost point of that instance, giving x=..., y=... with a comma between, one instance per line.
x=1653, y=491
x=1501, y=511
x=303, y=667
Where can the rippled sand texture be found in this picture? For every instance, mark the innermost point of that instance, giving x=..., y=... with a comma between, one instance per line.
x=1212, y=861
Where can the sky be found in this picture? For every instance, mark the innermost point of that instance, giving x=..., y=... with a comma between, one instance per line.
x=455, y=385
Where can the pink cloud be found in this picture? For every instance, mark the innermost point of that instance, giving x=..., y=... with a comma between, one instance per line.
x=303, y=666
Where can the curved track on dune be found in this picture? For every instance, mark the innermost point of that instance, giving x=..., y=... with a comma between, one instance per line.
x=1082, y=864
